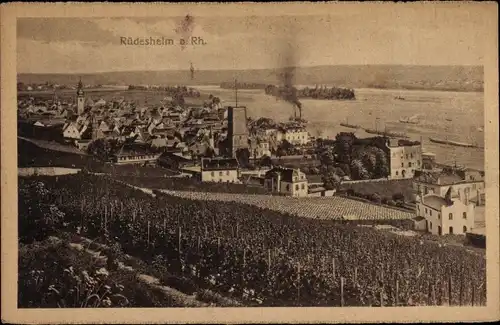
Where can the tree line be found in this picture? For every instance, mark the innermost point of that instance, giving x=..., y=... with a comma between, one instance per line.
x=333, y=93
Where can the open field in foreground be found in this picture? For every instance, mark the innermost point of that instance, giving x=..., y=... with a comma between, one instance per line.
x=238, y=251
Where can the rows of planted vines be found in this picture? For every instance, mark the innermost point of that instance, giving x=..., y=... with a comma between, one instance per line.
x=313, y=207
x=263, y=257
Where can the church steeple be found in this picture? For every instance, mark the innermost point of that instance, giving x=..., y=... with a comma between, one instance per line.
x=80, y=98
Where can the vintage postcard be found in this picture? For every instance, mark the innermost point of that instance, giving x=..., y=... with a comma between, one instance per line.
x=249, y=162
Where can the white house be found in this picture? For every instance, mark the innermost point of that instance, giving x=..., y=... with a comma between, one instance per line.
x=294, y=135
x=259, y=147
x=405, y=157
x=223, y=170
x=439, y=181
x=287, y=181
x=74, y=130
x=450, y=214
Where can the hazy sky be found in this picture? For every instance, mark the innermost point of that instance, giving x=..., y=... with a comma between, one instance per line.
x=437, y=37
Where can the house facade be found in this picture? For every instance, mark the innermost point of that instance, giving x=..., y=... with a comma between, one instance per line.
x=74, y=131
x=405, y=158
x=296, y=136
x=127, y=158
x=450, y=214
x=439, y=182
x=287, y=181
x=221, y=170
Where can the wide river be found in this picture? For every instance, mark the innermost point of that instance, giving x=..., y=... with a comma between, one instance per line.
x=457, y=116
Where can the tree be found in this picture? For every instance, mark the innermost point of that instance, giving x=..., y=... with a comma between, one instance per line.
x=243, y=157
x=358, y=171
x=376, y=198
x=266, y=161
x=103, y=149
x=331, y=180
x=286, y=147
x=374, y=160
x=327, y=158
x=344, y=146
x=209, y=152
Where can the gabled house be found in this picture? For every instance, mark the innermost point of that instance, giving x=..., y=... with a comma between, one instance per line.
x=452, y=213
x=287, y=181
x=74, y=130
x=142, y=135
x=223, y=170
x=439, y=181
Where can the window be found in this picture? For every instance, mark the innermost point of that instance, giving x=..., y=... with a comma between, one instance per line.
x=227, y=173
x=220, y=173
x=451, y=230
x=402, y=164
x=288, y=187
x=439, y=230
x=397, y=173
x=430, y=212
x=409, y=164
x=212, y=173
x=303, y=186
x=465, y=215
x=430, y=225
x=439, y=215
x=425, y=210
x=296, y=187
x=465, y=229
x=450, y=216
x=425, y=190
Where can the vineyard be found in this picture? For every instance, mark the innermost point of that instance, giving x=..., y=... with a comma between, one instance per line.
x=254, y=255
x=315, y=207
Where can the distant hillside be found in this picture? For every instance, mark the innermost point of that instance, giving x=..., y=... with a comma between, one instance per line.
x=459, y=78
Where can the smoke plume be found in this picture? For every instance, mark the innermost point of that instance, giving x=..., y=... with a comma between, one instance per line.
x=287, y=76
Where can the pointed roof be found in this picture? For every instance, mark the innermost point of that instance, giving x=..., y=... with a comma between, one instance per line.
x=450, y=193
x=434, y=201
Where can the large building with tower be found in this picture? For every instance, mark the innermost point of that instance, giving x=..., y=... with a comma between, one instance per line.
x=237, y=129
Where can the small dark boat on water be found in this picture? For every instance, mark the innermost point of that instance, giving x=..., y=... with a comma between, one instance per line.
x=399, y=98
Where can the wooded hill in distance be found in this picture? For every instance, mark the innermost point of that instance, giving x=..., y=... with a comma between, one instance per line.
x=453, y=78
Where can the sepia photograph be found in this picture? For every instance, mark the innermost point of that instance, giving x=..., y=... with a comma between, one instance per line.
x=189, y=157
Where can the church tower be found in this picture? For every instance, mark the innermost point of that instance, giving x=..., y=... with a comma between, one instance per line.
x=80, y=98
